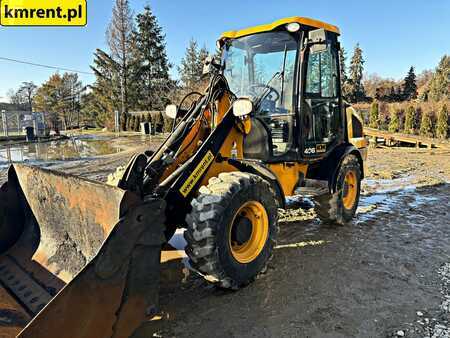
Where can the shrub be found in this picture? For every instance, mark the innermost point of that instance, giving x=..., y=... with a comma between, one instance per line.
x=157, y=121
x=426, y=125
x=410, y=120
x=442, y=123
x=123, y=121
x=374, y=118
x=131, y=122
x=137, y=123
x=168, y=124
x=394, y=123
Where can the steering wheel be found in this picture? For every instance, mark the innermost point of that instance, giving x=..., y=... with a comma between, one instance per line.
x=264, y=86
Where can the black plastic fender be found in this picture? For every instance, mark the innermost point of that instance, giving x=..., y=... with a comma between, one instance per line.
x=328, y=168
x=340, y=155
x=258, y=168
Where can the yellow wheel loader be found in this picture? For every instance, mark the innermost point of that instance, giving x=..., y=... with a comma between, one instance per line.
x=83, y=257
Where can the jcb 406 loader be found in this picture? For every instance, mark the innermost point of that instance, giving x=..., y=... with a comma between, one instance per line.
x=83, y=257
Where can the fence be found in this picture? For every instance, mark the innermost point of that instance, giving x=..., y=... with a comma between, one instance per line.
x=13, y=123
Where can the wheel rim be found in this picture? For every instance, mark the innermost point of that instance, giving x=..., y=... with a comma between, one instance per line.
x=254, y=214
x=350, y=190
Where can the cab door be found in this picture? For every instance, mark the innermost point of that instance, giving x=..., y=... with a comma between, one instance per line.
x=321, y=119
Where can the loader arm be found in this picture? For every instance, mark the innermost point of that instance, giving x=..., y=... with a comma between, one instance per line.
x=82, y=256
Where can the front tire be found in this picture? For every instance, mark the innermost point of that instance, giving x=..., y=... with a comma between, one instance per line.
x=340, y=206
x=232, y=228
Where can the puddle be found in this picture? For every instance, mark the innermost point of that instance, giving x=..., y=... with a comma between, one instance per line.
x=62, y=150
x=388, y=185
x=387, y=200
x=299, y=201
x=74, y=148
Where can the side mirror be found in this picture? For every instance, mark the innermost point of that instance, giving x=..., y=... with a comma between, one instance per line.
x=242, y=107
x=318, y=40
x=211, y=64
x=171, y=111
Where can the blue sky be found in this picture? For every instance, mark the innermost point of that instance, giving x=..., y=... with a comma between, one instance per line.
x=393, y=34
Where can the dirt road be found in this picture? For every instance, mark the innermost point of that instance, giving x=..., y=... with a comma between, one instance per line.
x=368, y=279
x=386, y=275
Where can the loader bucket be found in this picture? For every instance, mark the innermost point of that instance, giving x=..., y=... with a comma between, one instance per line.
x=81, y=256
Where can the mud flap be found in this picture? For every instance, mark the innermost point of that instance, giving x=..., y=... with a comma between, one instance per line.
x=52, y=222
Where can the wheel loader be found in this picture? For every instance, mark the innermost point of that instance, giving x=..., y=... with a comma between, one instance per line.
x=82, y=258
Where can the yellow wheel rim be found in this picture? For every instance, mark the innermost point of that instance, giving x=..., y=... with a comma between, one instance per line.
x=254, y=213
x=350, y=190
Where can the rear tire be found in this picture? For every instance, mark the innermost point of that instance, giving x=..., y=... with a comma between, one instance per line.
x=340, y=206
x=232, y=228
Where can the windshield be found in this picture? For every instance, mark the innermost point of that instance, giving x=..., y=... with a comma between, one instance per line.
x=261, y=67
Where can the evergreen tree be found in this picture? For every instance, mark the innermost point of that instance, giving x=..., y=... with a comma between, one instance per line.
x=417, y=119
x=343, y=72
x=394, y=123
x=410, y=86
x=410, y=120
x=168, y=124
x=426, y=125
x=374, y=115
x=356, y=89
x=439, y=88
x=158, y=120
x=202, y=55
x=150, y=63
x=392, y=95
x=132, y=123
x=89, y=113
x=106, y=88
x=442, y=123
x=123, y=121
x=129, y=125
x=191, y=68
x=342, y=65
x=119, y=36
x=137, y=123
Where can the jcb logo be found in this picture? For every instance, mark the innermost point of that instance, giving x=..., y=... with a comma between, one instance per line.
x=321, y=148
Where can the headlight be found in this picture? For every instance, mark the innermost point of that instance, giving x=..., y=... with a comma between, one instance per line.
x=242, y=107
x=171, y=111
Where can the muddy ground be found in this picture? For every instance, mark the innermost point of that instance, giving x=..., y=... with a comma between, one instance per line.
x=385, y=275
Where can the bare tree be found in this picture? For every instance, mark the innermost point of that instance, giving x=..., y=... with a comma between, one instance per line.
x=27, y=91
x=14, y=97
x=119, y=39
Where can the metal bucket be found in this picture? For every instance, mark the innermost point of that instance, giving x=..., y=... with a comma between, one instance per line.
x=82, y=256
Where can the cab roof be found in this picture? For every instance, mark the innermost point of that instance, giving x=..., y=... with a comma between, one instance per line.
x=281, y=22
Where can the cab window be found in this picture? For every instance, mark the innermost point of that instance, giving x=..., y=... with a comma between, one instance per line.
x=321, y=111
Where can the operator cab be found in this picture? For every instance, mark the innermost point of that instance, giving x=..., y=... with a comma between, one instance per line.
x=290, y=72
